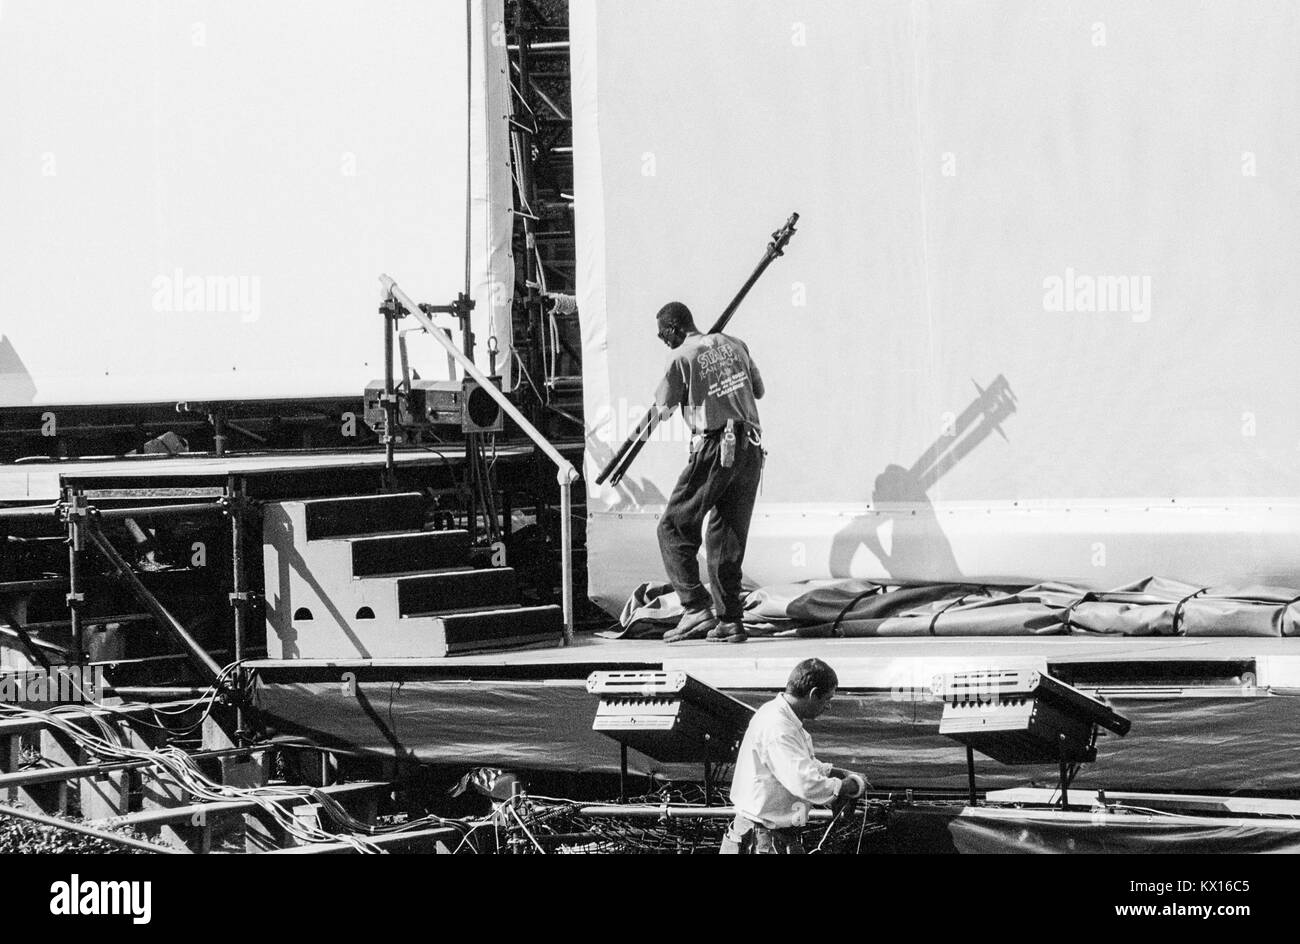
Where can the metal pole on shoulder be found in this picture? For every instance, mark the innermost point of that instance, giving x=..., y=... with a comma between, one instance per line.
x=617, y=467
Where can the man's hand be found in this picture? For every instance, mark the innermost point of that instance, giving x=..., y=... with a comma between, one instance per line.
x=851, y=790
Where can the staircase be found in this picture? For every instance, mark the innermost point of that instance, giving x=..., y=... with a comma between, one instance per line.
x=359, y=578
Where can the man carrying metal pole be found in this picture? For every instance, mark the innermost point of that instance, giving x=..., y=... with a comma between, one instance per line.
x=715, y=382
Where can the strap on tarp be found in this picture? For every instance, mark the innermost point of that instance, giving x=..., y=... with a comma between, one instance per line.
x=935, y=618
x=1088, y=597
x=1178, y=610
x=835, y=626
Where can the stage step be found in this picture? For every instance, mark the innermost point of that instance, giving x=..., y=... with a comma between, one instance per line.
x=431, y=594
x=364, y=514
x=502, y=629
x=360, y=578
x=386, y=554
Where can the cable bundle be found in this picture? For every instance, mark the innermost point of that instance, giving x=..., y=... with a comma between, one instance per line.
x=175, y=764
x=646, y=825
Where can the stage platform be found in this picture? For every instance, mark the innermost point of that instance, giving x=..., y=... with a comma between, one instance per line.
x=868, y=665
x=41, y=480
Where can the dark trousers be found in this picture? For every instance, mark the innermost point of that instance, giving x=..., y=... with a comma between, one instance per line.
x=706, y=486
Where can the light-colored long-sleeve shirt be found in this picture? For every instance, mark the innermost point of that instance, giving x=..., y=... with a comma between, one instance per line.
x=777, y=778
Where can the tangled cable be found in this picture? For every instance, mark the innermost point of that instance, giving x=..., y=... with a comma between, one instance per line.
x=647, y=824
x=176, y=765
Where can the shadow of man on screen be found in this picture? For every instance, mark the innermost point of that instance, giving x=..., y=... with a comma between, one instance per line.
x=901, y=504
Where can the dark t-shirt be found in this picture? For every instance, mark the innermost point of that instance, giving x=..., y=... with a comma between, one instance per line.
x=713, y=379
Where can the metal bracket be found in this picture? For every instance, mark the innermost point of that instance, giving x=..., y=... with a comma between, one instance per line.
x=461, y=308
x=237, y=504
x=76, y=513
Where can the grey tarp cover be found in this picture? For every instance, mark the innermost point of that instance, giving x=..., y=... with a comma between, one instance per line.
x=1155, y=606
x=1197, y=744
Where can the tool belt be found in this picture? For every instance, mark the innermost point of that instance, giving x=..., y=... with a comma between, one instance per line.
x=750, y=430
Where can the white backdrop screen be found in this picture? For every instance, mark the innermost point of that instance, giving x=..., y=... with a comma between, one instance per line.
x=197, y=198
x=1085, y=210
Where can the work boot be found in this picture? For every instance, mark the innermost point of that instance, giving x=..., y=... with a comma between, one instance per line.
x=694, y=624
x=727, y=631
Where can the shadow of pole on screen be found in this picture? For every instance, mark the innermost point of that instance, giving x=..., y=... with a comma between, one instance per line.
x=918, y=548
x=641, y=492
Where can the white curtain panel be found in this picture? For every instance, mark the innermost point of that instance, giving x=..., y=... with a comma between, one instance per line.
x=197, y=199
x=1039, y=317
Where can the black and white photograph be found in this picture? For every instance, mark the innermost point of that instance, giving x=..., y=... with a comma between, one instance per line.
x=629, y=427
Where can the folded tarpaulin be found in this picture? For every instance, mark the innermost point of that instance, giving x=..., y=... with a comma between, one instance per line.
x=1160, y=607
x=651, y=610
x=654, y=608
x=932, y=610
x=809, y=601
x=1155, y=606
